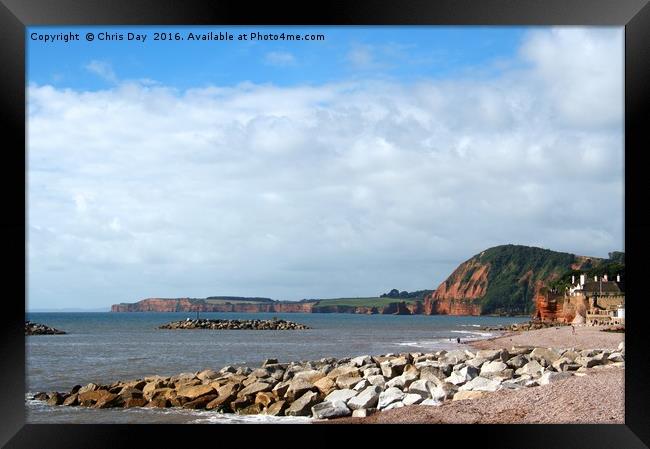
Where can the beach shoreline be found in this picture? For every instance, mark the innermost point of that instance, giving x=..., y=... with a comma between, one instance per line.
x=595, y=396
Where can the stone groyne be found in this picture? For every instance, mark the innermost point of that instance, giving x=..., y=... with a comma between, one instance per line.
x=359, y=386
x=234, y=324
x=40, y=329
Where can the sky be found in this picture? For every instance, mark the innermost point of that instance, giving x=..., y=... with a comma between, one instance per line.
x=377, y=158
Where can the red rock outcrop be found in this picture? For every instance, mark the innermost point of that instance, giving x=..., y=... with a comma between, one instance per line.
x=188, y=305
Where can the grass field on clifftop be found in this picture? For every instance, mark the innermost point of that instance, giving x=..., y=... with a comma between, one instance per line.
x=361, y=302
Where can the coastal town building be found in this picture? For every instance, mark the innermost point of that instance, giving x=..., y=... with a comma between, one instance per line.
x=591, y=301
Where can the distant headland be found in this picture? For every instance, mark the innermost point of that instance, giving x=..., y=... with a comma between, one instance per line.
x=503, y=280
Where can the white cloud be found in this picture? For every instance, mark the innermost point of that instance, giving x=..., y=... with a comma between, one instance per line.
x=102, y=69
x=279, y=58
x=347, y=188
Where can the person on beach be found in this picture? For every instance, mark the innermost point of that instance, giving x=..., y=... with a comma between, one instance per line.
x=573, y=329
x=458, y=340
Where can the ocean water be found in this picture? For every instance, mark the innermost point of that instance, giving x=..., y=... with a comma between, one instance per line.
x=106, y=347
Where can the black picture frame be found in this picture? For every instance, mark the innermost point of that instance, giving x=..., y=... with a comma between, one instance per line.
x=634, y=15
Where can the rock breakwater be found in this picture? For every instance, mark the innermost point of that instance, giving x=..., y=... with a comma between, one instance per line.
x=234, y=324
x=359, y=386
x=40, y=329
x=530, y=325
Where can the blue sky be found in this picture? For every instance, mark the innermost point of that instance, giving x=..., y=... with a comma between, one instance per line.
x=380, y=158
x=347, y=52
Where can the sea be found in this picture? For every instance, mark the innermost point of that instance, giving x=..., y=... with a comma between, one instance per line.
x=105, y=347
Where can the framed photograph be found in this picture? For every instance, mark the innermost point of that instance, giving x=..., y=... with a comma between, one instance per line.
x=359, y=214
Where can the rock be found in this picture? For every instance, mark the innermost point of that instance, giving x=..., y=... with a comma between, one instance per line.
x=252, y=409
x=361, y=385
x=422, y=387
x=325, y=385
x=302, y=405
x=489, y=354
x=150, y=387
x=135, y=402
x=270, y=362
x=207, y=374
x=545, y=356
x=561, y=364
x=589, y=352
x=130, y=392
x=182, y=378
x=330, y=409
x=55, y=398
x=368, y=398
x=588, y=362
x=456, y=378
x=341, y=395
x=621, y=346
x=360, y=413
x=371, y=372
x=456, y=356
x=158, y=403
x=260, y=373
x=90, y=387
x=550, y=376
x=109, y=400
x=532, y=368
x=571, y=355
x=71, y=400
x=195, y=391
x=412, y=398
x=463, y=395
x=443, y=391
x=89, y=398
x=398, y=404
x=227, y=369
x=430, y=402
x=281, y=388
x=481, y=384
x=310, y=376
x=347, y=381
x=476, y=362
x=342, y=371
x=276, y=409
x=396, y=382
x=435, y=371
x=40, y=396
x=255, y=388
x=389, y=396
x=200, y=402
x=264, y=398
x=362, y=360
x=241, y=403
x=221, y=403
x=520, y=350
x=616, y=357
x=378, y=380
x=298, y=387
x=517, y=361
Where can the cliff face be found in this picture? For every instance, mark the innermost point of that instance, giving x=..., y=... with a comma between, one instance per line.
x=192, y=305
x=505, y=279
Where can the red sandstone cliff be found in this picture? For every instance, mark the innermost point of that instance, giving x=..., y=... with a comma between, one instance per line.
x=188, y=305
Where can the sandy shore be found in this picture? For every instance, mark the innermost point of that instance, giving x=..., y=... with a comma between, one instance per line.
x=586, y=337
x=596, y=397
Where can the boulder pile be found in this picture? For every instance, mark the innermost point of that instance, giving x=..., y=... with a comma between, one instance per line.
x=234, y=324
x=40, y=329
x=330, y=388
x=527, y=326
